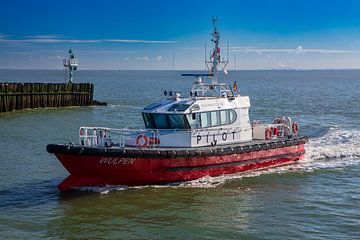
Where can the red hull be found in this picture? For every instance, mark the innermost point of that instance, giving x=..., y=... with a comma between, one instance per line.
x=88, y=170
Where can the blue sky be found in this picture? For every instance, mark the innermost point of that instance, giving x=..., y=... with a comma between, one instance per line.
x=267, y=34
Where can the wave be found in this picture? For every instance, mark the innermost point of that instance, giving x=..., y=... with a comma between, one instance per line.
x=336, y=148
x=128, y=106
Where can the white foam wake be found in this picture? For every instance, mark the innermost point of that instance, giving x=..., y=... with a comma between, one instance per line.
x=337, y=148
x=335, y=144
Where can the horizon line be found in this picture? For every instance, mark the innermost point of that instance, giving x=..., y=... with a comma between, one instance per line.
x=175, y=70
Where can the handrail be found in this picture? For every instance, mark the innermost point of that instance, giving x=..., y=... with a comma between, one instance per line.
x=105, y=137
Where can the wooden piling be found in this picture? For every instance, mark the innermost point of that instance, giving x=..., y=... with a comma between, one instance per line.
x=17, y=96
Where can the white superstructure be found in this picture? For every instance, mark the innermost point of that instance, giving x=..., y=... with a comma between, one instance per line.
x=212, y=114
x=200, y=121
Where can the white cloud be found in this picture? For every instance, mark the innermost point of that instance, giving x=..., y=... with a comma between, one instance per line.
x=126, y=59
x=328, y=51
x=142, y=58
x=4, y=38
x=56, y=57
x=137, y=41
x=158, y=58
x=19, y=53
x=46, y=40
x=111, y=51
x=191, y=48
x=44, y=36
x=297, y=50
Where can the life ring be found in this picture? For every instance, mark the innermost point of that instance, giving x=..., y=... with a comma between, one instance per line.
x=295, y=128
x=268, y=134
x=142, y=141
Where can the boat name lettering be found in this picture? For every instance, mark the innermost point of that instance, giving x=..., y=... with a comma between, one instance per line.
x=115, y=160
x=224, y=137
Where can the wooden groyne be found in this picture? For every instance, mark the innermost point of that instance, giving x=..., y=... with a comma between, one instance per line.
x=17, y=96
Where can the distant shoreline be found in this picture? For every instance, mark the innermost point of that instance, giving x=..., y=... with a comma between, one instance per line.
x=187, y=70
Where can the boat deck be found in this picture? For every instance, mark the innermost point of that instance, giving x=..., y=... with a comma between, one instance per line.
x=133, y=152
x=242, y=144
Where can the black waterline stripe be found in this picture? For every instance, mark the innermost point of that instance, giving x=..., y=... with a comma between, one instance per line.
x=234, y=163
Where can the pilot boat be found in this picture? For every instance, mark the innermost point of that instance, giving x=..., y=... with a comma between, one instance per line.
x=208, y=133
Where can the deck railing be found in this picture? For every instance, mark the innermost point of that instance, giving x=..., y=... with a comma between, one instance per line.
x=112, y=137
x=138, y=138
x=102, y=137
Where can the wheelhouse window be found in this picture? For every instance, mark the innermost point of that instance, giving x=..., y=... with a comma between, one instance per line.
x=232, y=116
x=161, y=121
x=148, y=121
x=225, y=117
x=165, y=121
x=205, y=119
x=189, y=121
x=215, y=118
x=211, y=119
x=177, y=121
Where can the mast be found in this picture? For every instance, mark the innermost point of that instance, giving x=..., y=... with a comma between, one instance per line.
x=215, y=58
x=214, y=89
x=216, y=51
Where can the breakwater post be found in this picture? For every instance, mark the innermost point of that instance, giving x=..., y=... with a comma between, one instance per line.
x=17, y=96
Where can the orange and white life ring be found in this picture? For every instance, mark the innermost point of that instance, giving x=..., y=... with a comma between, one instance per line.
x=295, y=128
x=142, y=141
x=268, y=134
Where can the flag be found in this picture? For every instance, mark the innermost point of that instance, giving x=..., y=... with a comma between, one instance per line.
x=235, y=86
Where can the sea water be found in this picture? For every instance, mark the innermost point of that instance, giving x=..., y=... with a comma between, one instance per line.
x=317, y=198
